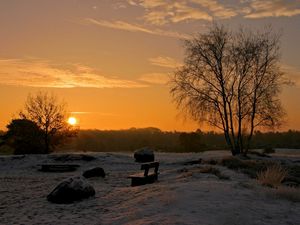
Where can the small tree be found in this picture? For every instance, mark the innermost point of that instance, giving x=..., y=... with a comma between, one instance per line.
x=50, y=116
x=231, y=81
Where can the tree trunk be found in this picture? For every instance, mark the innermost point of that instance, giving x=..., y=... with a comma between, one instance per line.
x=47, y=150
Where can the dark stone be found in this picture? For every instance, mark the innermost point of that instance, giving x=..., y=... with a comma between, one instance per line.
x=18, y=157
x=144, y=155
x=71, y=190
x=193, y=162
x=73, y=157
x=94, y=172
x=291, y=180
x=291, y=184
x=50, y=167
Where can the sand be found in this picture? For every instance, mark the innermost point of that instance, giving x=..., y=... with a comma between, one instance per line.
x=181, y=196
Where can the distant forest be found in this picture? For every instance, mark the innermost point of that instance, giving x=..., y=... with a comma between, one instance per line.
x=132, y=139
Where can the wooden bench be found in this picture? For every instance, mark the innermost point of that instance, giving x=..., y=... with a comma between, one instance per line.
x=58, y=167
x=145, y=177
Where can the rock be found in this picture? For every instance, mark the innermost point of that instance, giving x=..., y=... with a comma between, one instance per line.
x=17, y=157
x=72, y=157
x=70, y=190
x=291, y=184
x=94, y=172
x=291, y=180
x=144, y=155
x=193, y=162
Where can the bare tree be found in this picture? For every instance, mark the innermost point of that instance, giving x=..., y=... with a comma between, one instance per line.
x=231, y=81
x=50, y=116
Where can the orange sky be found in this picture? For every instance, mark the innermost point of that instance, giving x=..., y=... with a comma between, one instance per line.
x=110, y=59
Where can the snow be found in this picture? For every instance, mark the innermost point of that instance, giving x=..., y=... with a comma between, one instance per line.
x=181, y=196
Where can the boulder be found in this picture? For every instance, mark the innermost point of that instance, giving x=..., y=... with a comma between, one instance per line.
x=71, y=190
x=144, y=155
x=72, y=157
x=94, y=172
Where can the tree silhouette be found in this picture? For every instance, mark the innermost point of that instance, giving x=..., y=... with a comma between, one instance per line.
x=24, y=136
x=231, y=81
x=50, y=116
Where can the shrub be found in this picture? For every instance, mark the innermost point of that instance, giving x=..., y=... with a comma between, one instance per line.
x=25, y=137
x=206, y=169
x=268, y=150
x=210, y=161
x=233, y=163
x=249, y=167
x=263, y=154
x=272, y=176
x=214, y=171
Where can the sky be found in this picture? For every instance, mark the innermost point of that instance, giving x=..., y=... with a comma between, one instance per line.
x=110, y=60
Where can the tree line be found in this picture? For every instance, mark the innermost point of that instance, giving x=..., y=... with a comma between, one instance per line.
x=165, y=141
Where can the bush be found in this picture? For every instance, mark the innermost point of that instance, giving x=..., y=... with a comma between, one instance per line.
x=268, y=150
x=214, y=171
x=25, y=137
x=233, y=163
x=249, y=167
x=6, y=150
x=206, y=169
x=272, y=176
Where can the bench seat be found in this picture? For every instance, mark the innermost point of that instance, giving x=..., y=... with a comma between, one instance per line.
x=145, y=177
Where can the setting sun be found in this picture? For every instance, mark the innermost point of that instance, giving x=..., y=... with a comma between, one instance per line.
x=72, y=121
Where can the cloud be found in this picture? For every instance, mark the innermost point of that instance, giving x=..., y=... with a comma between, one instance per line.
x=121, y=25
x=155, y=78
x=98, y=113
x=292, y=73
x=217, y=9
x=174, y=13
x=273, y=8
x=119, y=5
x=42, y=73
x=164, y=61
x=160, y=12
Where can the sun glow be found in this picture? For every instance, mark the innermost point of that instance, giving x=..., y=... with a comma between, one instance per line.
x=72, y=121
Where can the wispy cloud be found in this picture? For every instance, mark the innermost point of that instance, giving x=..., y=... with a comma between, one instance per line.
x=160, y=12
x=273, y=8
x=292, y=73
x=155, y=78
x=217, y=9
x=164, y=61
x=98, y=113
x=42, y=73
x=121, y=25
x=173, y=13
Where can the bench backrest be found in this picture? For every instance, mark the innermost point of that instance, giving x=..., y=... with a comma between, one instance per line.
x=147, y=166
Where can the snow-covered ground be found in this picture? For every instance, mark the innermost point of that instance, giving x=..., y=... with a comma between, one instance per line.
x=181, y=196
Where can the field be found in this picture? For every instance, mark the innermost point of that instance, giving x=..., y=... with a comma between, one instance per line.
x=187, y=192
